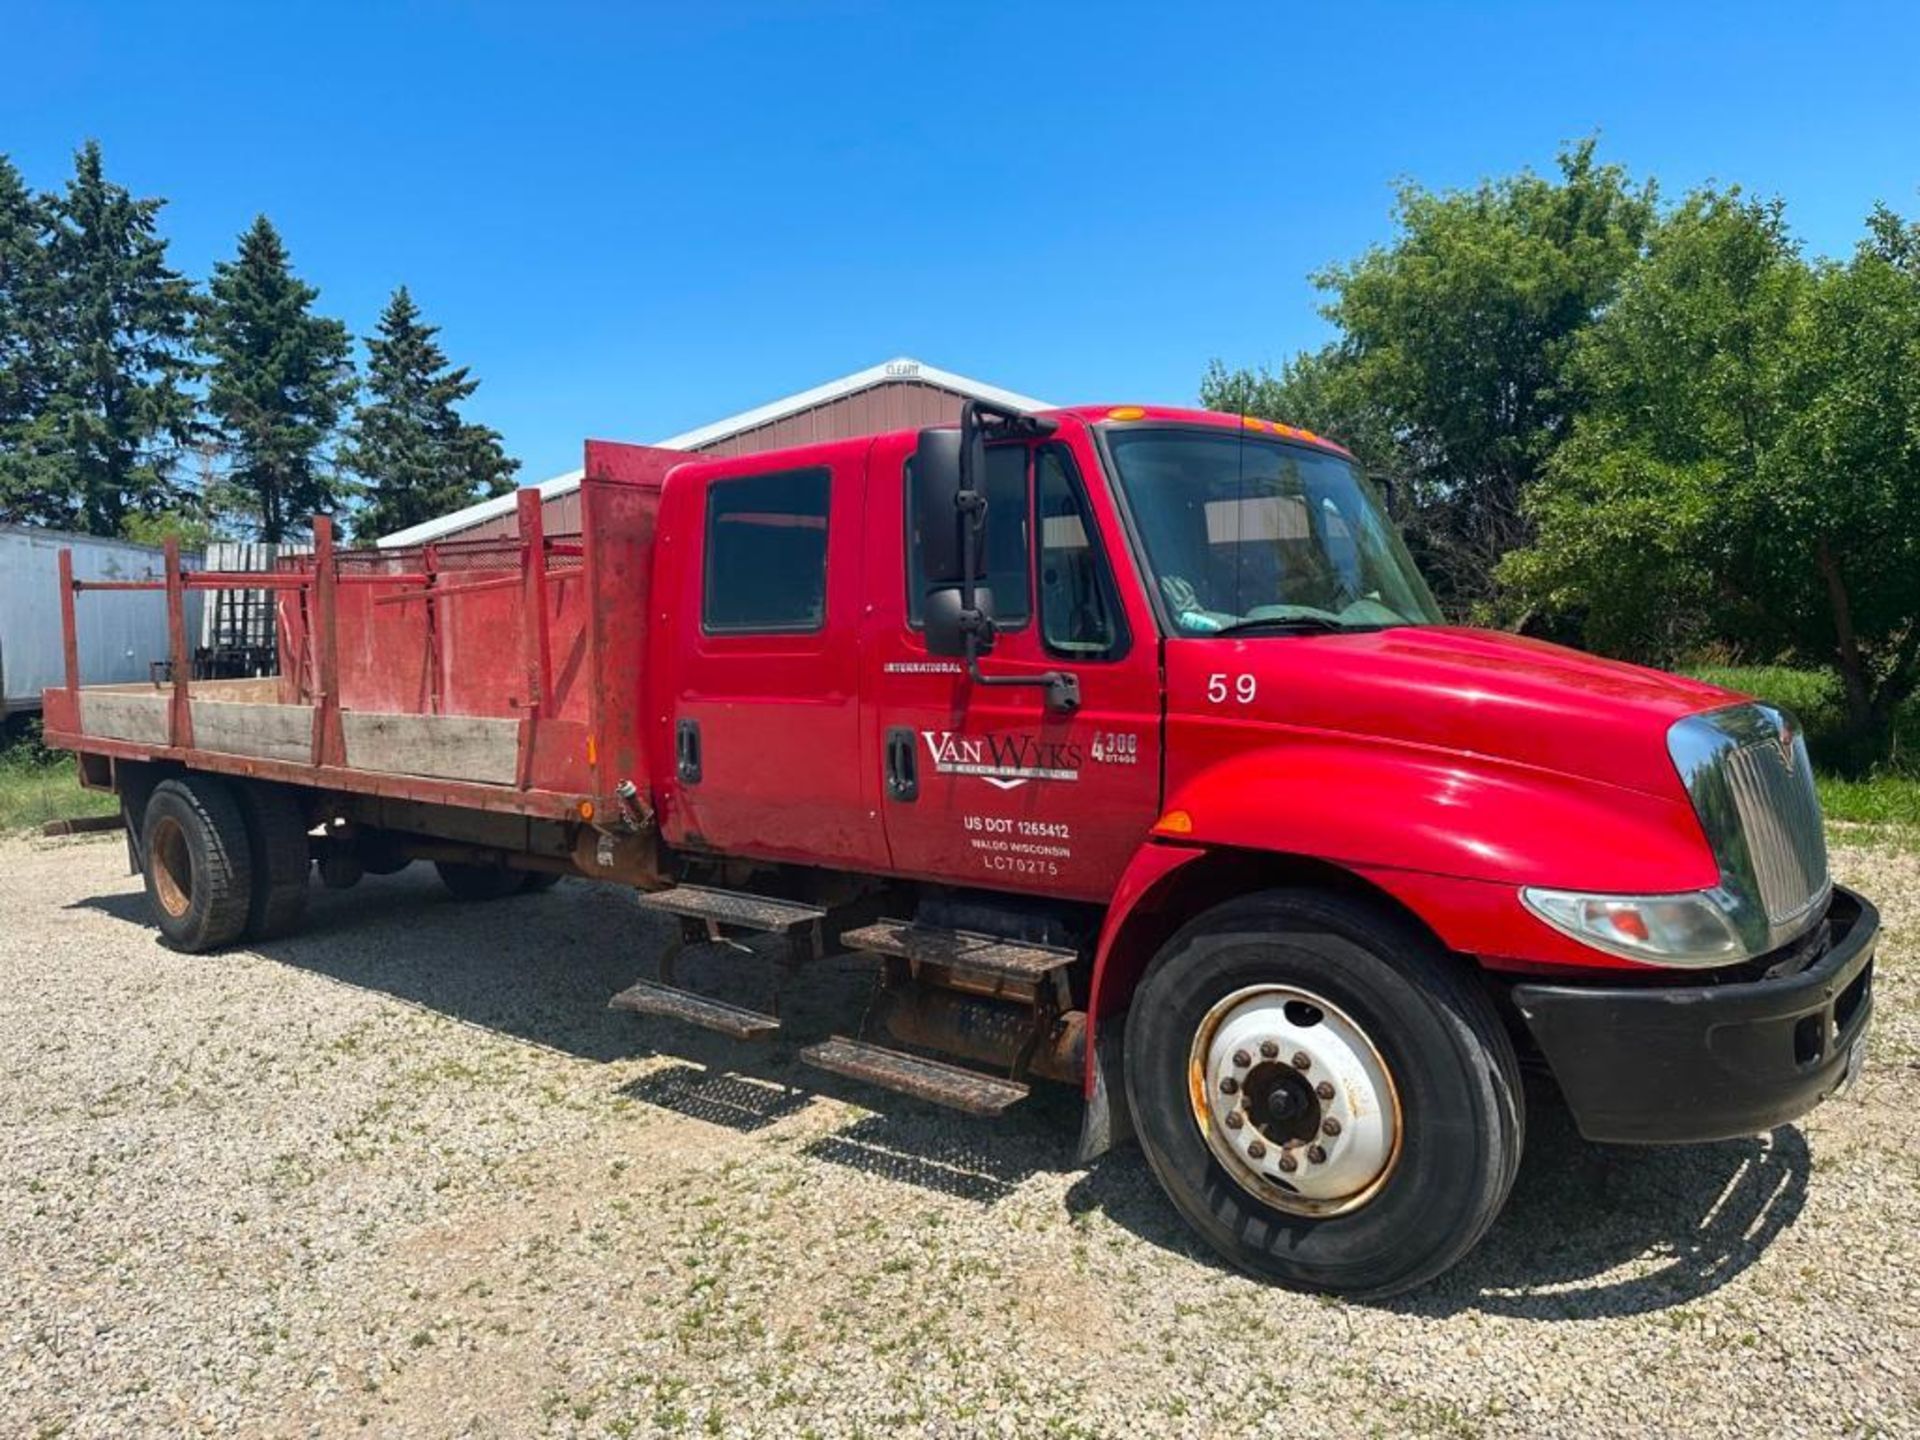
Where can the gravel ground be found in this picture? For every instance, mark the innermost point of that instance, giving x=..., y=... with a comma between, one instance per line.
x=405, y=1173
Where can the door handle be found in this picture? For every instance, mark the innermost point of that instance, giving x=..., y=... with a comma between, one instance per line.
x=903, y=774
x=686, y=751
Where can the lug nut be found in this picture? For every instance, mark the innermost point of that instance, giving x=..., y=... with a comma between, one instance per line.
x=1235, y=1120
x=1242, y=1059
x=1330, y=1126
x=1302, y=1060
x=1256, y=1150
x=1229, y=1085
x=1269, y=1048
x=1316, y=1154
x=1288, y=1163
x=1324, y=1090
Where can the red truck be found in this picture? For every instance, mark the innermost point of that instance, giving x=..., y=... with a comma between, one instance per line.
x=1131, y=746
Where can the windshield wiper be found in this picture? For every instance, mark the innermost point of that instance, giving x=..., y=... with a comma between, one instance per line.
x=1281, y=625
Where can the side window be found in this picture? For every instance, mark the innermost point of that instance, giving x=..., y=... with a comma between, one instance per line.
x=1007, y=539
x=1079, y=616
x=767, y=553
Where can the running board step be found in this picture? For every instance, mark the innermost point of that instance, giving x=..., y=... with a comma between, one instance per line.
x=986, y=955
x=647, y=998
x=737, y=908
x=943, y=1084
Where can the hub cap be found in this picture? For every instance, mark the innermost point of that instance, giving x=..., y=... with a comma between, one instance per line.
x=1294, y=1100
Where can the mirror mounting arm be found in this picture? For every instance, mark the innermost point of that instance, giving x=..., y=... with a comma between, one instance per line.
x=1062, y=686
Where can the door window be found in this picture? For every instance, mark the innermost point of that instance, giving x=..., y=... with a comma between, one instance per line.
x=767, y=553
x=1079, y=615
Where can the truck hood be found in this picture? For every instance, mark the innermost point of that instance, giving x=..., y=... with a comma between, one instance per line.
x=1480, y=692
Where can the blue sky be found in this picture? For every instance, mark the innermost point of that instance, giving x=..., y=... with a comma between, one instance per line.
x=633, y=219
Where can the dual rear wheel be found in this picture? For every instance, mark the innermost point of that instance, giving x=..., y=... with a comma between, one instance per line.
x=226, y=861
x=223, y=862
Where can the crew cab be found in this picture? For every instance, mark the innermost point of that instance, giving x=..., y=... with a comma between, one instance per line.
x=1131, y=746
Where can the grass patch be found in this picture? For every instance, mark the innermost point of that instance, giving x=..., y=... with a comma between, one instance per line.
x=1885, y=794
x=38, y=785
x=1877, y=800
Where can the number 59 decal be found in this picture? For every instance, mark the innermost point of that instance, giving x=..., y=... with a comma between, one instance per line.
x=1242, y=688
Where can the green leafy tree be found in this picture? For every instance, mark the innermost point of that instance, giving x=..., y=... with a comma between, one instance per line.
x=118, y=412
x=419, y=459
x=1317, y=391
x=279, y=379
x=1749, y=469
x=25, y=350
x=1451, y=361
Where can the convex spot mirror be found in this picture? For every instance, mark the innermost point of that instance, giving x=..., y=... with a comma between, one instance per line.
x=948, y=620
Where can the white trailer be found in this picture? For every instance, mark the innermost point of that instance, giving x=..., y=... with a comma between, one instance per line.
x=121, y=633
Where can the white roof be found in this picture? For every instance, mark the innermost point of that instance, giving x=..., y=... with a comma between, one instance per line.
x=901, y=368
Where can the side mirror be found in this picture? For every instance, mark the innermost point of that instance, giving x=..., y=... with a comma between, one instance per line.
x=949, y=467
x=949, y=621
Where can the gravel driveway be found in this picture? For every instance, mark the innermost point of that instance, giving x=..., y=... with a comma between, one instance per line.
x=405, y=1173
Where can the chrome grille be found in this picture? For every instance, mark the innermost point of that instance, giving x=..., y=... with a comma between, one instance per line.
x=1780, y=818
x=1747, y=773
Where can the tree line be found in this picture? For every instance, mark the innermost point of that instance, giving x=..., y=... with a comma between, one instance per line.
x=1660, y=430
x=134, y=403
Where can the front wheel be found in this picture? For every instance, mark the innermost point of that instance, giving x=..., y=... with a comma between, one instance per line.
x=1325, y=1095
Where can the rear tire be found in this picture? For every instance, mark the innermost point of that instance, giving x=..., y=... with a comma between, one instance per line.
x=282, y=860
x=478, y=882
x=1400, y=1021
x=197, y=863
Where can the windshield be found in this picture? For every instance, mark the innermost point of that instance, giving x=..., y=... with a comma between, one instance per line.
x=1246, y=534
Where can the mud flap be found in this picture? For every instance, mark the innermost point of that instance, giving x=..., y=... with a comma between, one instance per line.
x=1107, y=1123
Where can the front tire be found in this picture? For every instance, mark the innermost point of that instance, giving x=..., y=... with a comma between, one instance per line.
x=1324, y=1094
x=198, y=864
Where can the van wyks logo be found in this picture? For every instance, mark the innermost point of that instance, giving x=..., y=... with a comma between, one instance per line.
x=1003, y=761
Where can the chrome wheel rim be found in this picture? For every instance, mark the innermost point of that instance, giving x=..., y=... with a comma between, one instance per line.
x=1295, y=1100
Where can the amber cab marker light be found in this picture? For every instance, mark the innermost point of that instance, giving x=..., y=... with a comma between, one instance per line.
x=1126, y=412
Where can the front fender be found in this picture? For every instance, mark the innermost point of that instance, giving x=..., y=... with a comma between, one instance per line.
x=1449, y=837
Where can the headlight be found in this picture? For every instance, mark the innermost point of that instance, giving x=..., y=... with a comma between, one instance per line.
x=1690, y=929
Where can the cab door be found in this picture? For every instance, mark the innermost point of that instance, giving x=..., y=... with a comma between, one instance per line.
x=766, y=724
x=985, y=786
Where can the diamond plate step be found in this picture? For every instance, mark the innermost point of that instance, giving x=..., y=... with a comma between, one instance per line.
x=646, y=998
x=986, y=955
x=934, y=1080
x=735, y=907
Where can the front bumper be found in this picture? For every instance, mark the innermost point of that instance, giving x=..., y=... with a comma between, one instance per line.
x=1665, y=1065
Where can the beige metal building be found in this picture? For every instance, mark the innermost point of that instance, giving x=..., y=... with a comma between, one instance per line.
x=899, y=394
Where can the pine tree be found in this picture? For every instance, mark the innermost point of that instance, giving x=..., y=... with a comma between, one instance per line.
x=24, y=347
x=118, y=413
x=418, y=457
x=278, y=380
